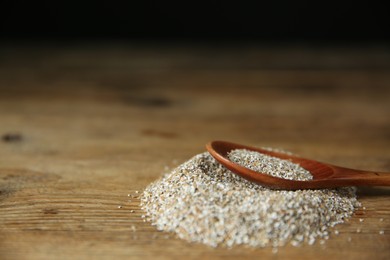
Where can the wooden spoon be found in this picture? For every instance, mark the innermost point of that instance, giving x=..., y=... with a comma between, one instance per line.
x=324, y=175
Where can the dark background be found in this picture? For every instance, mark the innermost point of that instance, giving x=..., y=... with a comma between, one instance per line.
x=274, y=22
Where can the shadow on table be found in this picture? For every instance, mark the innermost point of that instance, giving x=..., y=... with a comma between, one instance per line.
x=373, y=191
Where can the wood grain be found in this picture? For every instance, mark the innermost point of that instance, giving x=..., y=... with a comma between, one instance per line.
x=82, y=127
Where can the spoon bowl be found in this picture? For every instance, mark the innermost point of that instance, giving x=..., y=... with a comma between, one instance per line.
x=324, y=175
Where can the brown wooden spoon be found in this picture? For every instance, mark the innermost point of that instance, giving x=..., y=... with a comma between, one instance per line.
x=324, y=175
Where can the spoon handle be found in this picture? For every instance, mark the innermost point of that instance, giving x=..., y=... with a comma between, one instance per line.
x=361, y=178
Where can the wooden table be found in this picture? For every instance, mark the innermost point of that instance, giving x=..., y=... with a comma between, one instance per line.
x=83, y=126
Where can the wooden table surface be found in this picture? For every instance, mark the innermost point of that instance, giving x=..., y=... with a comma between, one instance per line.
x=82, y=126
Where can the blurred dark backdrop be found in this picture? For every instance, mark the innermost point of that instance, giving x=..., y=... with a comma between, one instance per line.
x=271, y=21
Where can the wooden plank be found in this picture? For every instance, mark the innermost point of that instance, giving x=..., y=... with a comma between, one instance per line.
x=81, y=129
